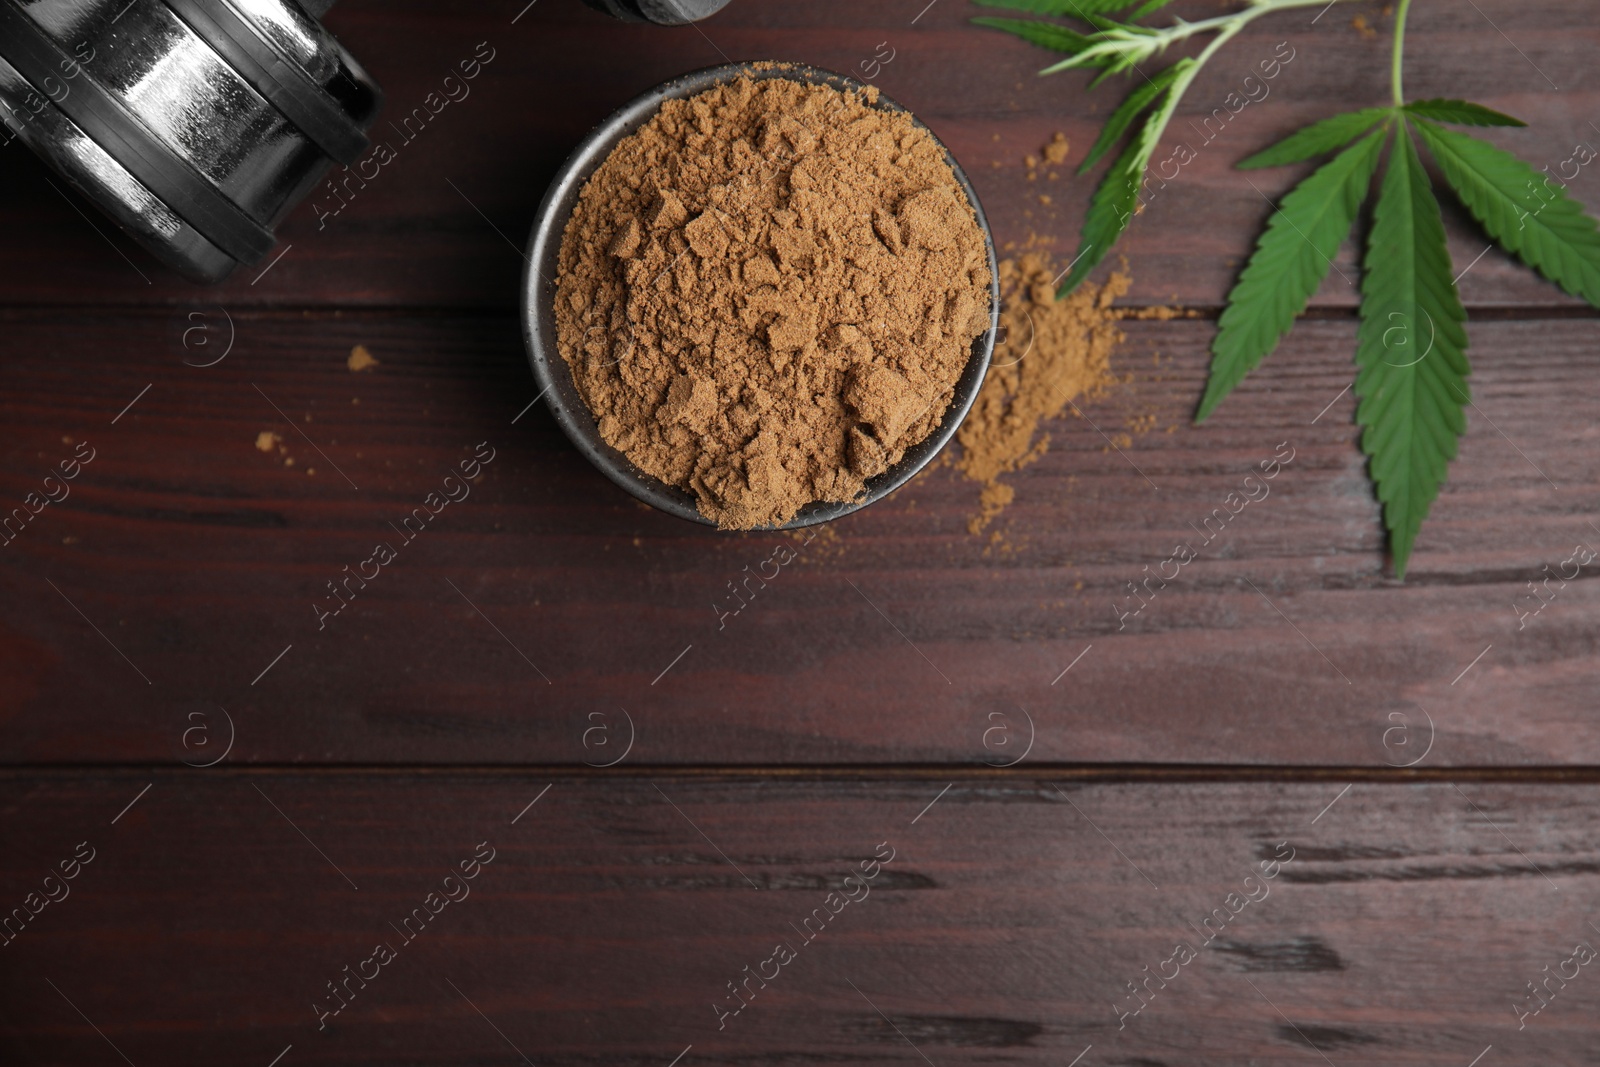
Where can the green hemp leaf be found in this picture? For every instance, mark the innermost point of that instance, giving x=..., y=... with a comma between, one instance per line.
x=1410, y=351
x=1521, y=209
x=1291, y=259
x=1411, y=380
x=1318, y=139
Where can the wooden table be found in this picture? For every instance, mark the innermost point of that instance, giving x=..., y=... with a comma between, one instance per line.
x=1415, y=770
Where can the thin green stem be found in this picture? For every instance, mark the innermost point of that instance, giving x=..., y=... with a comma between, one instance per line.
x=1153, y=42
x=1228, y=26
x=1256, y=9
x=1180, y=85
x=1399, y=51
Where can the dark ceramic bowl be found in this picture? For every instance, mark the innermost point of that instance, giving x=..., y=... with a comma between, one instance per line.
x=555, y=378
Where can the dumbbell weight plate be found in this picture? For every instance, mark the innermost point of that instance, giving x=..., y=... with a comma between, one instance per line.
x=662, y=12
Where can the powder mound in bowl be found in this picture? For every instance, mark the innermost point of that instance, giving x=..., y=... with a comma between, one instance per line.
x=768, y=292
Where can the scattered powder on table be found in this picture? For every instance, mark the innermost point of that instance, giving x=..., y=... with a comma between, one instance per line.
x=360, y=359
x=1054, y=153
x=821, y=543
x=1052, y=352
x=767, y=293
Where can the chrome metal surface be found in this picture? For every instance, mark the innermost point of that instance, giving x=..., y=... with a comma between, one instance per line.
x=663, y=12
x=296, y=35
x=87, y=167
x=186, y=94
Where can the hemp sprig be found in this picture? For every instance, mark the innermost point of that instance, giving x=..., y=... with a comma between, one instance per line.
x=1411, y=408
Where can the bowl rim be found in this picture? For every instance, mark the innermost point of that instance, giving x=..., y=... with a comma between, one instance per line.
x=554, y=378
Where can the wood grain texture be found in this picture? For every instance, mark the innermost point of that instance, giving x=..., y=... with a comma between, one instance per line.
x=162, y=613
x=613, y=915
x=442, y=224
x=549, y=596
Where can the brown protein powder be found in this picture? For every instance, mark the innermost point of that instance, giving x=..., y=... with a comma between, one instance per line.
x=1053, y=353
x=767, y=294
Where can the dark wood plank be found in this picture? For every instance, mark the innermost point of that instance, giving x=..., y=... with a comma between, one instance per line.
x=614, y=913
x=409, y=238
x=549, y=596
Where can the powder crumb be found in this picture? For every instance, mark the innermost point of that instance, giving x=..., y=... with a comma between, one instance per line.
x=821, y=543
x=1002, y=545
x=1363, y=27
x=1054, y=351
x=311, y=472
x=1056, y=151
x=267, y=441
x=1161, y=314
x=767, y=294
x=360, y=359
x=1030, y=161
x=288, y=461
